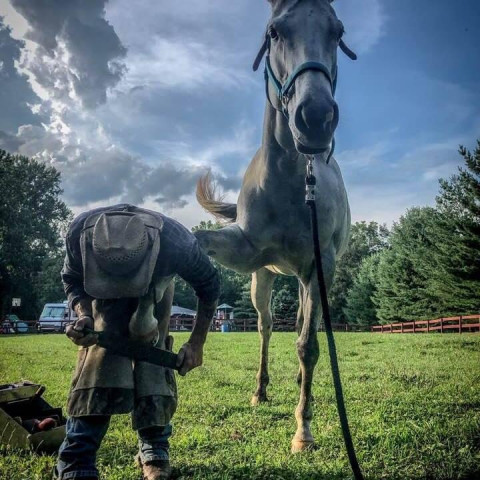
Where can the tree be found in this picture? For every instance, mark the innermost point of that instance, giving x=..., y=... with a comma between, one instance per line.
x=365, y=239
x=360, y=308
x=32, y=217
x=47, y=284
x=403, y=290
x=433, y=266
x=457, y=277
x=243, y=307
x=285, y=297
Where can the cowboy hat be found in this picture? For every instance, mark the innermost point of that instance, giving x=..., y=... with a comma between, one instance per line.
x=119, y=253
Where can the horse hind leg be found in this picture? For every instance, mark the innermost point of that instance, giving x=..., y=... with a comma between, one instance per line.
x=262, y=283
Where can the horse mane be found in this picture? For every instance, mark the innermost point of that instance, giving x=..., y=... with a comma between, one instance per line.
x=213, y=203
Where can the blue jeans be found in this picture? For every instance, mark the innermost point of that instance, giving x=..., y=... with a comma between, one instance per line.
x=78, y=452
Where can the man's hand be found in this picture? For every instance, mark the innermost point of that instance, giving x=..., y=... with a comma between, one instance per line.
x=77, y=334
x=189, y=357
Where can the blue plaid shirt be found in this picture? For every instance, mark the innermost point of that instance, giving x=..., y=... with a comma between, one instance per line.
x=179, y=254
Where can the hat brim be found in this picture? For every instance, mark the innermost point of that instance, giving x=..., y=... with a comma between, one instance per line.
x=103, y=285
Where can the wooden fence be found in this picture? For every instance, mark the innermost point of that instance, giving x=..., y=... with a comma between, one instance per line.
x=251, y=325
x=462, y=323
x=182, y=324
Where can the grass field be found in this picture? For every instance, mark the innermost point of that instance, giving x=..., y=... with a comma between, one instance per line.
x=413, y=403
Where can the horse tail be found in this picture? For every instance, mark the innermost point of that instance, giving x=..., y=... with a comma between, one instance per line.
x=207, y=197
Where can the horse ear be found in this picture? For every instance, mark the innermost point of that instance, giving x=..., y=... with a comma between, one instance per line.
x=260, y=55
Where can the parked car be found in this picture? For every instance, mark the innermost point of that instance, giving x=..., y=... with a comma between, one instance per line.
x=55, y=317
x=12, y=324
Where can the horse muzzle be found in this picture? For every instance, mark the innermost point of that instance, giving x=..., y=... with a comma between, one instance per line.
x=313, y=125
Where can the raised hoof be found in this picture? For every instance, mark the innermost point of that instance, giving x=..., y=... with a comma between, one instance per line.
x=302, y=445
x=258, y=399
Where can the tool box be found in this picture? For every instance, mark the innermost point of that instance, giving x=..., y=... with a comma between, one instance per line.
x=27, y=421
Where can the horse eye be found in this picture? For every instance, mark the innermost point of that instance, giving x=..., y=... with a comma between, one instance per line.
x=273, y=33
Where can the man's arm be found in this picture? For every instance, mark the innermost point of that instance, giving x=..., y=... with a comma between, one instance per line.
x=198, y=271
x=78, y=299
x=191, y=353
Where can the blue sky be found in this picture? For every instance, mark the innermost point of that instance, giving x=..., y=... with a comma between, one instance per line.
x=132, y=102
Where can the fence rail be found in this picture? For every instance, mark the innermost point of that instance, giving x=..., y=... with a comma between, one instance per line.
x=462, y=323
x=178, y=324
x=251, y=325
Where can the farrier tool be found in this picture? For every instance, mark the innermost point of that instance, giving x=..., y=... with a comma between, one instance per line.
x=135, y=350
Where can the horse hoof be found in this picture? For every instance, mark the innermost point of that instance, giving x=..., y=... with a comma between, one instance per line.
x=302, y=445
x=258, y=399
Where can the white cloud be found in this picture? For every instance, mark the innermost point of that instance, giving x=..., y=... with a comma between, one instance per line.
x=364, y=21
x=181, y=64
x=364, y=156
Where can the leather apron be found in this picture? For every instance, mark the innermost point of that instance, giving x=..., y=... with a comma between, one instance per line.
x=107, y=384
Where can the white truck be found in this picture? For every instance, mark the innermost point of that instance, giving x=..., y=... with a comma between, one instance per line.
x=55, y=317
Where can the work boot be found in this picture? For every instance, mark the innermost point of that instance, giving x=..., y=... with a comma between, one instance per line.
x=155, y=470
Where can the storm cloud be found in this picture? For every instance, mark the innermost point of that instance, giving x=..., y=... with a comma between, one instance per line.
x=133, y=101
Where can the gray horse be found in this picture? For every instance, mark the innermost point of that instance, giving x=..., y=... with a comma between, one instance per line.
x=269, y=231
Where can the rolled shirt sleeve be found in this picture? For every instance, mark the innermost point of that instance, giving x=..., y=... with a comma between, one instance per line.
x=198, y=271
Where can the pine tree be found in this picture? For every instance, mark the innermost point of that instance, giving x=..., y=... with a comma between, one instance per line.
x=365, y=240
x=360, y=309
x=457, y=278
x=243, y=307
x=404, y=272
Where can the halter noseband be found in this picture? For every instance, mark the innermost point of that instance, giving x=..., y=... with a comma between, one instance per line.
x=283, y=90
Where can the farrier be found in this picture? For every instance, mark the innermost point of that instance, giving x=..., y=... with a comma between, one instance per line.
x=118, y=276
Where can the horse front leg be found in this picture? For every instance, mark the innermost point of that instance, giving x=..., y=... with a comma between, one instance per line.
x=230, y=247
x=308, y=350
x=262, y=283
x=299, y=324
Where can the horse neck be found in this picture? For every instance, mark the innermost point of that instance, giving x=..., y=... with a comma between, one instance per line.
x=278, y=147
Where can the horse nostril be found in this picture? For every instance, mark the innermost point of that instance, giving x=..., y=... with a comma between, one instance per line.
x=301, y=119
x=314, y=118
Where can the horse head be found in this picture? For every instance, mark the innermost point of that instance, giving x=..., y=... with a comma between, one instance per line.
x=300, y=44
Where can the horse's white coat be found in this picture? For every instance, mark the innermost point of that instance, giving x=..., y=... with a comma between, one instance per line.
x=271, y=233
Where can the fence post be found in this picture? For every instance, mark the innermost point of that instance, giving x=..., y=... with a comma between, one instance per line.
x=460, y=324
x=441, y=325
x=414, y=326
x=401, y=327
x=428, y=326
x=381, y=328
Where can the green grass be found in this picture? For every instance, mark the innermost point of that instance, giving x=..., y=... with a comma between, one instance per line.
x=413, y=403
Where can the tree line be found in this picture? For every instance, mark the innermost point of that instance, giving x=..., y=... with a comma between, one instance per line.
x=426, y=265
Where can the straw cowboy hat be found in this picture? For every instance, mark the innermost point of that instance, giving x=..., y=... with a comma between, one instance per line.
x=119, y=253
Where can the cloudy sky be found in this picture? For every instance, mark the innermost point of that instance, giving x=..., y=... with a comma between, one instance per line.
x=133, y=100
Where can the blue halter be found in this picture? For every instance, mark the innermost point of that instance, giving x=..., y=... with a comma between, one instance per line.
x=283, y=91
